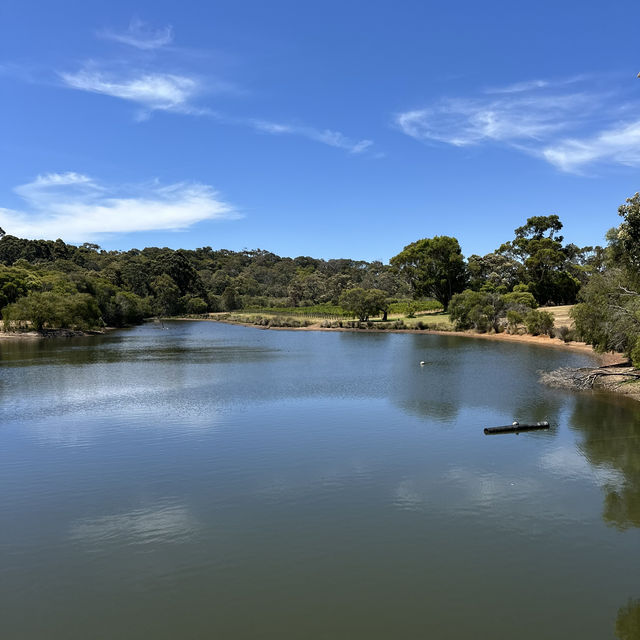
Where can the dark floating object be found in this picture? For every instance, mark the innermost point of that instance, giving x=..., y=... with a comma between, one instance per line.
x=516, y=427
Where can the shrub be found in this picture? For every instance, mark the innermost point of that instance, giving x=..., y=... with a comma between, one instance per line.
x=196, y=306
x=635, y=354
x=538, y=322
x=565, y=333
x=514, y=320
x=53, y=310
x=521, y=299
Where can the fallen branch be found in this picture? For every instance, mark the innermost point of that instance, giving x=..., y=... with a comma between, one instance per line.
x=588, y=378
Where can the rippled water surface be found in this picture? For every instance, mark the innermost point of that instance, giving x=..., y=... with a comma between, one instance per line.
x=213, y=481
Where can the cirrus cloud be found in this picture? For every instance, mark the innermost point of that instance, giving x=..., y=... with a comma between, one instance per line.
x=141, y=36
x=571, y=124
x=165, y=91
x=77, y=208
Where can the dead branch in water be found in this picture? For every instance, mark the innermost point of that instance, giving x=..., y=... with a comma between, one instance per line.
x=589, y=378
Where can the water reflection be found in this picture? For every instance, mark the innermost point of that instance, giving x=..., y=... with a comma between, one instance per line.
x=281, y=475
x=159, y=523
x=460, y=372
x=628, y=621
x=610, y=430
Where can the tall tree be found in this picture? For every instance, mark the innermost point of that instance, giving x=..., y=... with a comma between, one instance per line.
x=608, y=316
x=433, y=267
x=544, y=259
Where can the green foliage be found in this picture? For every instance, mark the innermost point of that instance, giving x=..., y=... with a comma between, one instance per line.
x=545, y=264
x=608, y=316
x=479, y=310
x=625, y=240
x=418, y=306
x=565, y=333
x=539, y=322
x=16, y=282
x=433, y=267
x=230, y=300
x=494, y=271
x=40, y=309
x=167, y=295
x=486, y=310
x=514, y=320
x=196, y=306
x=520, y=298
x=635, y=354
x=318, y=310
x=364, y=302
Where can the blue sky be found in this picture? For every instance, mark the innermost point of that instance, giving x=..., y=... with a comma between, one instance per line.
x=331, y=129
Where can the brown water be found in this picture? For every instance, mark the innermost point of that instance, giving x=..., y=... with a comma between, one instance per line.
x=212, y=481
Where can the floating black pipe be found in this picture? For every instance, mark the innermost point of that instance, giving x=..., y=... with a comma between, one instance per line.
x=516, y=428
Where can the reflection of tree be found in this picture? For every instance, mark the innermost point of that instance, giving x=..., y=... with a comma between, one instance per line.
x=611, y=439
x=431, y=391
x=628, y=621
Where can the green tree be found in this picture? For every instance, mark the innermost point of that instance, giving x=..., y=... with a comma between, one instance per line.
x=479, y=310
x=608, y=316
x=545, y=262
x=230, y=299
x=196, y=306
x=495, y=272
x=50, y=309
x=486, y=310
x=538, y=322
x=434, y=267
x=364, y=302
x=625, y=240
x=167, y=295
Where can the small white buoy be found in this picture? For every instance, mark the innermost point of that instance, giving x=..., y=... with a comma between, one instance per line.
x=422, y=363
x=515, y=423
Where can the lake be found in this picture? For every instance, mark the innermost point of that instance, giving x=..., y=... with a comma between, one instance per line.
x=204, y=480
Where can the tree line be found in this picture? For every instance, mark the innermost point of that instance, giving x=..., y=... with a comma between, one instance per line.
x=52, y=283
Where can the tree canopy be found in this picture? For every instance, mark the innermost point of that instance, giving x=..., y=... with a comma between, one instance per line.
x=433, y=267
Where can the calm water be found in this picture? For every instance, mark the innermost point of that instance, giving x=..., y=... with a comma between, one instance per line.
x=213, y=481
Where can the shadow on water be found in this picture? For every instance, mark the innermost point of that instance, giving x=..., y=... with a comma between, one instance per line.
x=610, y=430
x=460, y=372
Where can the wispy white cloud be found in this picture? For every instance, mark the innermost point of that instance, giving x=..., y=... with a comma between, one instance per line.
x=325, y=136
x=519, y=87
x=462, y=121
x=78, y=209
x=165, y=91
x=571, y=127
x=141, y=36
x=618, y=145
x=145, y=82
x=175, y=93
x=530, y=85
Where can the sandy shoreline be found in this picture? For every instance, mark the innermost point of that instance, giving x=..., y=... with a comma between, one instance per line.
x=543, y=341
x=604, y=359
x=51, y=333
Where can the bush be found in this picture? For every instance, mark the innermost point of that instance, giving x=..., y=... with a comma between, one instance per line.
x=514, y=320
x=521, y=299
x=53, y=310
x=539, y=322
x=479, y=310
x=196, y=306
x=565, y=333
x=635, y=354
